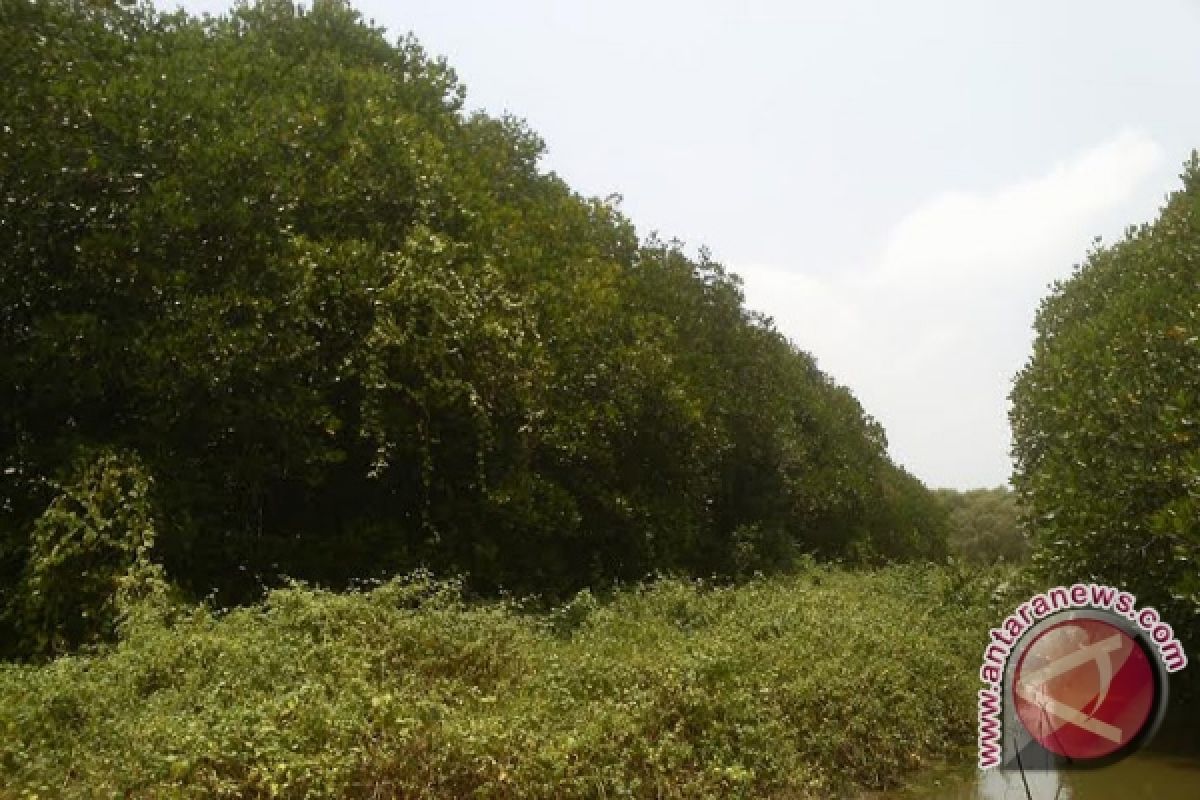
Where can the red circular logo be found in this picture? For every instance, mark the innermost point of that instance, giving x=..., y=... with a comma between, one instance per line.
x=1084, y=688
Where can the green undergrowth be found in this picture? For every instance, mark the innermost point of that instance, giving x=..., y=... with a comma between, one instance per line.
x=813, y=685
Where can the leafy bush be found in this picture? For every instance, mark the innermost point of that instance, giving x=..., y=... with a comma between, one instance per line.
x=89, y=558
x=804, y=686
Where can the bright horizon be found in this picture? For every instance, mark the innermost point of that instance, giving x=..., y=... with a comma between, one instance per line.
x=897, y=185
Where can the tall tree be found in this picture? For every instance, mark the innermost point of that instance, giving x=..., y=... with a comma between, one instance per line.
x=1106, y=415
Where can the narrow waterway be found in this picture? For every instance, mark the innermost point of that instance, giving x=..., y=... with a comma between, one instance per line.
x=1168, y=770
x=1146, y=775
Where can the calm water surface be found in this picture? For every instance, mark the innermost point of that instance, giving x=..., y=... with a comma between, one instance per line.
x=1169, y=770
x=1148, y=775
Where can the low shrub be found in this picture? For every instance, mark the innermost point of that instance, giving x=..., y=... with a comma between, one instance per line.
x=809, y=685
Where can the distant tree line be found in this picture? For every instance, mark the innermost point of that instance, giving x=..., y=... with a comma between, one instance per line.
x=273, y=303
x=984, y=525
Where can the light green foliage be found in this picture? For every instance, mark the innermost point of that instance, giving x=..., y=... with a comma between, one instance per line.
x=89, y=558
x=799, y=687
x=1106, y=416
x=984, y=525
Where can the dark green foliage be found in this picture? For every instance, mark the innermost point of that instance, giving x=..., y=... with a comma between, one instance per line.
x=911, y=523
x=984, y=525
x=1106, y=416
x=350, y=329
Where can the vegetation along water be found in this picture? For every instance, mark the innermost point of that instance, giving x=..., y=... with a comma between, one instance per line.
x=346, y=452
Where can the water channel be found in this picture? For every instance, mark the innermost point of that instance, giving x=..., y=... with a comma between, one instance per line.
x=1169, y=769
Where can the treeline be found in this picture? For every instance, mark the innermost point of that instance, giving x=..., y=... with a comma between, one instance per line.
x=1106, y=417
x=273, y=303
x=984, y=525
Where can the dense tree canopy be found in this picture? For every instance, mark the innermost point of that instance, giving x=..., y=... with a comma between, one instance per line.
x=274, y=302
x=1106, y=415
x=984, y=525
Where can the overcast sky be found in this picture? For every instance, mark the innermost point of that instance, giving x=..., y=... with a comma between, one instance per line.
x=897, y=183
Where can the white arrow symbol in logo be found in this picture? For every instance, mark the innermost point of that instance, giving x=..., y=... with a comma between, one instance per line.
x=1032, y=687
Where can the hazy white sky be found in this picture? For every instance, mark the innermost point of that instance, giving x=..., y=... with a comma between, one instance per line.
x=897, y=183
